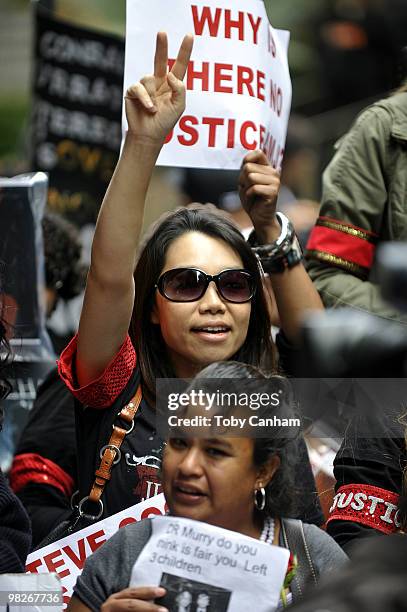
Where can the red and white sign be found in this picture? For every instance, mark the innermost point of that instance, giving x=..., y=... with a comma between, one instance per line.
x=238, y=82
x=67, y=557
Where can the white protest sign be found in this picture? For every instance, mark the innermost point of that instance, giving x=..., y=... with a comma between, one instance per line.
x=67, y=556
x=238, y=82
x=30, y=593
x=208, y=568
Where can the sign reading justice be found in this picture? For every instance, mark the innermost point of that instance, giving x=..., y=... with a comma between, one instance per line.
x=238, y=82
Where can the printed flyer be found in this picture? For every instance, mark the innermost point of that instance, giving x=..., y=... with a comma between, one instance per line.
x=206, y=569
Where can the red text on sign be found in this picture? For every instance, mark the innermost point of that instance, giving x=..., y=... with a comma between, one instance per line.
x=224, y=78
x=271, y=44
x=218, y=132
x=276, y=98
x=244, y=25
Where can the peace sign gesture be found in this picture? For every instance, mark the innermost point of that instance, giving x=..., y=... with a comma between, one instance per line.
x=156, y=102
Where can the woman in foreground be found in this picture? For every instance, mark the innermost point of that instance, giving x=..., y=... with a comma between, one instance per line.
x=195, y=296
x=242, y=484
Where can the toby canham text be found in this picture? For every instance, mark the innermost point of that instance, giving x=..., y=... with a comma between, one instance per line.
x=219, y=420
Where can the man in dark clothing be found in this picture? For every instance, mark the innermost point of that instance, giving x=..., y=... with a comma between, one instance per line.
x=15, y=532
x=43, y=473
x=369, y=481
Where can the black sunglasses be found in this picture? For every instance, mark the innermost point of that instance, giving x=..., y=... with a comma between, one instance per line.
x=190, y=284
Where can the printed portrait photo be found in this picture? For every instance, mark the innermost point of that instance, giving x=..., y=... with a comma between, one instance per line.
x=185, y=595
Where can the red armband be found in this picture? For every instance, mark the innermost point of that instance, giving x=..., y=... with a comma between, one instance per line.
x=367, y=505
x=343, y=245
x=31, y=467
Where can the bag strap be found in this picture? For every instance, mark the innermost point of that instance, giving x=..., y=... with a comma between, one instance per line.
x=294, y=540
x=110, y=454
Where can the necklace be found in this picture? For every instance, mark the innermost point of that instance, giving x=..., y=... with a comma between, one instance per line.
x=267, y=534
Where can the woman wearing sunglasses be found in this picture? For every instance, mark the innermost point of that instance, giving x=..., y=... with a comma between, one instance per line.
x=195, y=295
x=223, y=478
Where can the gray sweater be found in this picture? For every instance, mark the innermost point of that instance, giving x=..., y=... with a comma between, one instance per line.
x=108, y=570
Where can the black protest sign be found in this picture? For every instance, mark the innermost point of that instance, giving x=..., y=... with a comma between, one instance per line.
x=76, y=119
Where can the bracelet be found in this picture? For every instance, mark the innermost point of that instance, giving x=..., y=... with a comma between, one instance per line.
x=285, y=252
x=281, y=245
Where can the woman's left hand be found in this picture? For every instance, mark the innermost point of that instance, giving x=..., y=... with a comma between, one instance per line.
x=259, y=184
x=293, y=291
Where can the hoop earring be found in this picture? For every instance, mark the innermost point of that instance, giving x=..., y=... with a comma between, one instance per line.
x=262, y=504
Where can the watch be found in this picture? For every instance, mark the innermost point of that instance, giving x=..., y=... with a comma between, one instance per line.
x=283, y=253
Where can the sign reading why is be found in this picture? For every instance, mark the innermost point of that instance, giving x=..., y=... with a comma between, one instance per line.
x=238, y=82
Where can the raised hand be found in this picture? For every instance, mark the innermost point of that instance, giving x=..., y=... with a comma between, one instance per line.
x=154, y=104
x=259, y=184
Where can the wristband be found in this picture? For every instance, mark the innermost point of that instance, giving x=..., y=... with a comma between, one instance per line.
x=285, y=252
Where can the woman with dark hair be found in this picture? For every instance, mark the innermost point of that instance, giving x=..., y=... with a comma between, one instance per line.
x=5, y=352
x=147, y=336
x=64, y=272
x=221, y=479
x=15, y=532
x=229, y=379
x=196, y=296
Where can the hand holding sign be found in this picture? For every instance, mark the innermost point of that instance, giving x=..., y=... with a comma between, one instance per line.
x=259, y=184
x=138, y=599
x=238, y=83
x=154, y=104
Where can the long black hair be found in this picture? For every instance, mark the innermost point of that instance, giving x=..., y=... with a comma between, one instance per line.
x=257, y=349
x=5, y=357
x=281, y=440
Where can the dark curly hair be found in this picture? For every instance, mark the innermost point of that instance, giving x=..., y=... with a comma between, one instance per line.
x=5, y=358
x=62, y=249
x=281, y=496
